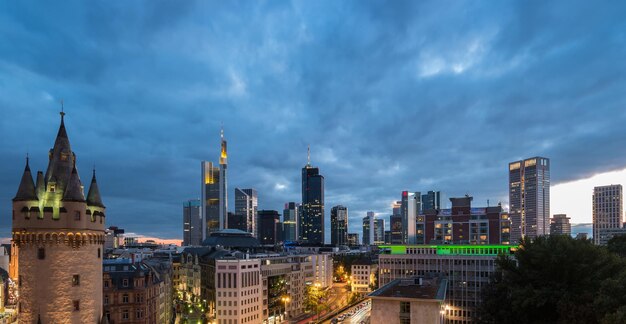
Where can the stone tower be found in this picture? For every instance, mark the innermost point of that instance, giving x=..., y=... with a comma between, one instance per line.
x=59, y=235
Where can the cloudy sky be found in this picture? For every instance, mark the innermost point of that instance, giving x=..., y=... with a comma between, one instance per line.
x=391, y=96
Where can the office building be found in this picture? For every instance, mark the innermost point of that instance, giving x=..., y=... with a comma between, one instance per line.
x=246, y=206
x=410, y=207
x=323, y=269
x=431, y=200
x=312, y=218
x=368, y=228
x=379, y=231
x=291, y=214
x=238, y=222
x=608, y=213
x=114, y=237
x=529, y=197
x=559, y=225
x=396, y=208
x=339, y=225
x=363, y=276
x=353, y=239
x=467, y=268
x=58, y=235
x=215, y=192
x=269, y=227
x=388, y=237
x=395, y=225
x=192, y=223
x=410, y=300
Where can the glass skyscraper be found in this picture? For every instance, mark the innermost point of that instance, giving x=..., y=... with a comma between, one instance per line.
x=339, y=225
x=192, y=223
x=311, y=228
x=529, y=198
x=291, y=214
x=246, y=205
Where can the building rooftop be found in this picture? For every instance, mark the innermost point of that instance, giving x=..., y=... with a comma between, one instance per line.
x=414, y=288
x=231, y=238
x=453, y=249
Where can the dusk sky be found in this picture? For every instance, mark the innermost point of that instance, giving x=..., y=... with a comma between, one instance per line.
x=390, y=96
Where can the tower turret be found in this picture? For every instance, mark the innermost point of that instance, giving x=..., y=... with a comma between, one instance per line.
x=93, y=196
x=26, y=190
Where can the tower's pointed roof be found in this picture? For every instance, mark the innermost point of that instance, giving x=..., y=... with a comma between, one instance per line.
x=93, y=196
x=26, y=191
x=74, y=189
x=62, y=159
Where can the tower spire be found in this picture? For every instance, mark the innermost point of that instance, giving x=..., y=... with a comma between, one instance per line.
x=308, y=155
x=62, y=112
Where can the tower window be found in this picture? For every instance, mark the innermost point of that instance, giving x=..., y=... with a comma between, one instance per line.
x=98, y=253
x=77, y=216
x=76, y=305
x=41, y=253
x=76, y=280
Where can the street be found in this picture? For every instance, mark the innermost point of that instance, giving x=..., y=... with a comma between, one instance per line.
x=357, y=314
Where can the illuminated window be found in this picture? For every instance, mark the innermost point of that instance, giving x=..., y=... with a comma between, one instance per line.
x=76, y=280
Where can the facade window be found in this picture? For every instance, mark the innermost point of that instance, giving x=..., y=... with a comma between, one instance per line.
x=405, y=307
x=76, y=305
x=125, y=298
x=41, y=253
x=77, y=216
x=125, y=283
x=125, y=314
x=139, y=313
x=106, y=284
x=106, y=299
x=98, y=253
x=76, y=280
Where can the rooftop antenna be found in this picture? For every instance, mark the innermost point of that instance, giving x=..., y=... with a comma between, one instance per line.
x=308, y=155
x=222, y=130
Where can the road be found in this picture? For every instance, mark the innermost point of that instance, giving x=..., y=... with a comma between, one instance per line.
x=354, y=315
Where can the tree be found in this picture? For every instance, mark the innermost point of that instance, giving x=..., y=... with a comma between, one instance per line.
x=617, y=245
x=554, y=279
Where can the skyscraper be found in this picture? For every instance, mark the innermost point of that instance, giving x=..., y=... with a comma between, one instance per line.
x=215, y=193
x=410, y=206
x=291, y=214
x=529, y=198
x=246, y=205
x=379, y=231
x=607, y=211
x=192, y=223
x=395, y=225
x=339, y=225
x=353, y=239
x=431, y=200
x=312, y=220
x=59, y=236
x=559, y=225
x=269, y=222
x=368, y=229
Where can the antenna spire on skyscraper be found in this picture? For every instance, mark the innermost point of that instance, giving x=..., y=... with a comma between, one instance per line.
x=308, y=155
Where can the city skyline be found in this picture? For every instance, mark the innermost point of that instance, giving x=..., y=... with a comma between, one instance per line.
x=148, y=104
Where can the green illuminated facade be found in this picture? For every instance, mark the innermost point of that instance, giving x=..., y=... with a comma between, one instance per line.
x=485, y=250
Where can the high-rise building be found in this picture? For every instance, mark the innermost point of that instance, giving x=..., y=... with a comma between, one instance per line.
x=395, y=225
x=192, y=223
x=237, y=221
x=410, y=206
x=368, y=229
x=291, y=214
x=214, y=193
x=608, y=213
x=559, y=225
x=59, y=236
x=269, y=222
x=529, y=197
x=379, y=231
x=431, y=200
x=396, y=207
x=339, y=225
x=312, y=218
x=353, y=239
x=246, y=205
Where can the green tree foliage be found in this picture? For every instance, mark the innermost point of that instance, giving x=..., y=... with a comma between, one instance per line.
x=315, y=299
x=617, y=245
x=556, y=279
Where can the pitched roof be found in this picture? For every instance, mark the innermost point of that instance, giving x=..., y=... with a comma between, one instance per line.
x=26, y=190
x=93, y=196
x=62, y=160
x=74, y=189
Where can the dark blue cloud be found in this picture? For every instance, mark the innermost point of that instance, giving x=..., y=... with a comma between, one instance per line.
x=390, y=96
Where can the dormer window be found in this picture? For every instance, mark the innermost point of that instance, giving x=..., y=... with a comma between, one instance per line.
x=52, y=187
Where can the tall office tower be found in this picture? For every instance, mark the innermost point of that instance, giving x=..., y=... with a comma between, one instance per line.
x=431, y=200
x=339, y=225
x=395, y=226
x=246, y=205
x=559, y=225
x=269, y=222
x=529, y=198
x=368, y=229
x=59, y=235
x=192, y=223
x=312, y=219
x=236, y=221
x=290, y=221
x=353, y=239
x=607, y=211
x=210, y=199
x=396, y=207
x=409, y=209
x=214, y=193
x=379, y=231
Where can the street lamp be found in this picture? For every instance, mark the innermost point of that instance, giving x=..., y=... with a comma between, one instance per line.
x=285, y=300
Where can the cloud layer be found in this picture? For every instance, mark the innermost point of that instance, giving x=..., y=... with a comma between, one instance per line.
x=391, y=96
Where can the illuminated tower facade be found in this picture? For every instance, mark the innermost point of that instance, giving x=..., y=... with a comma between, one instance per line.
x=246, y=206
x=59, y=234
x=529, y=198
x=339, y=225
x=311, y=229
x=214, y=193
